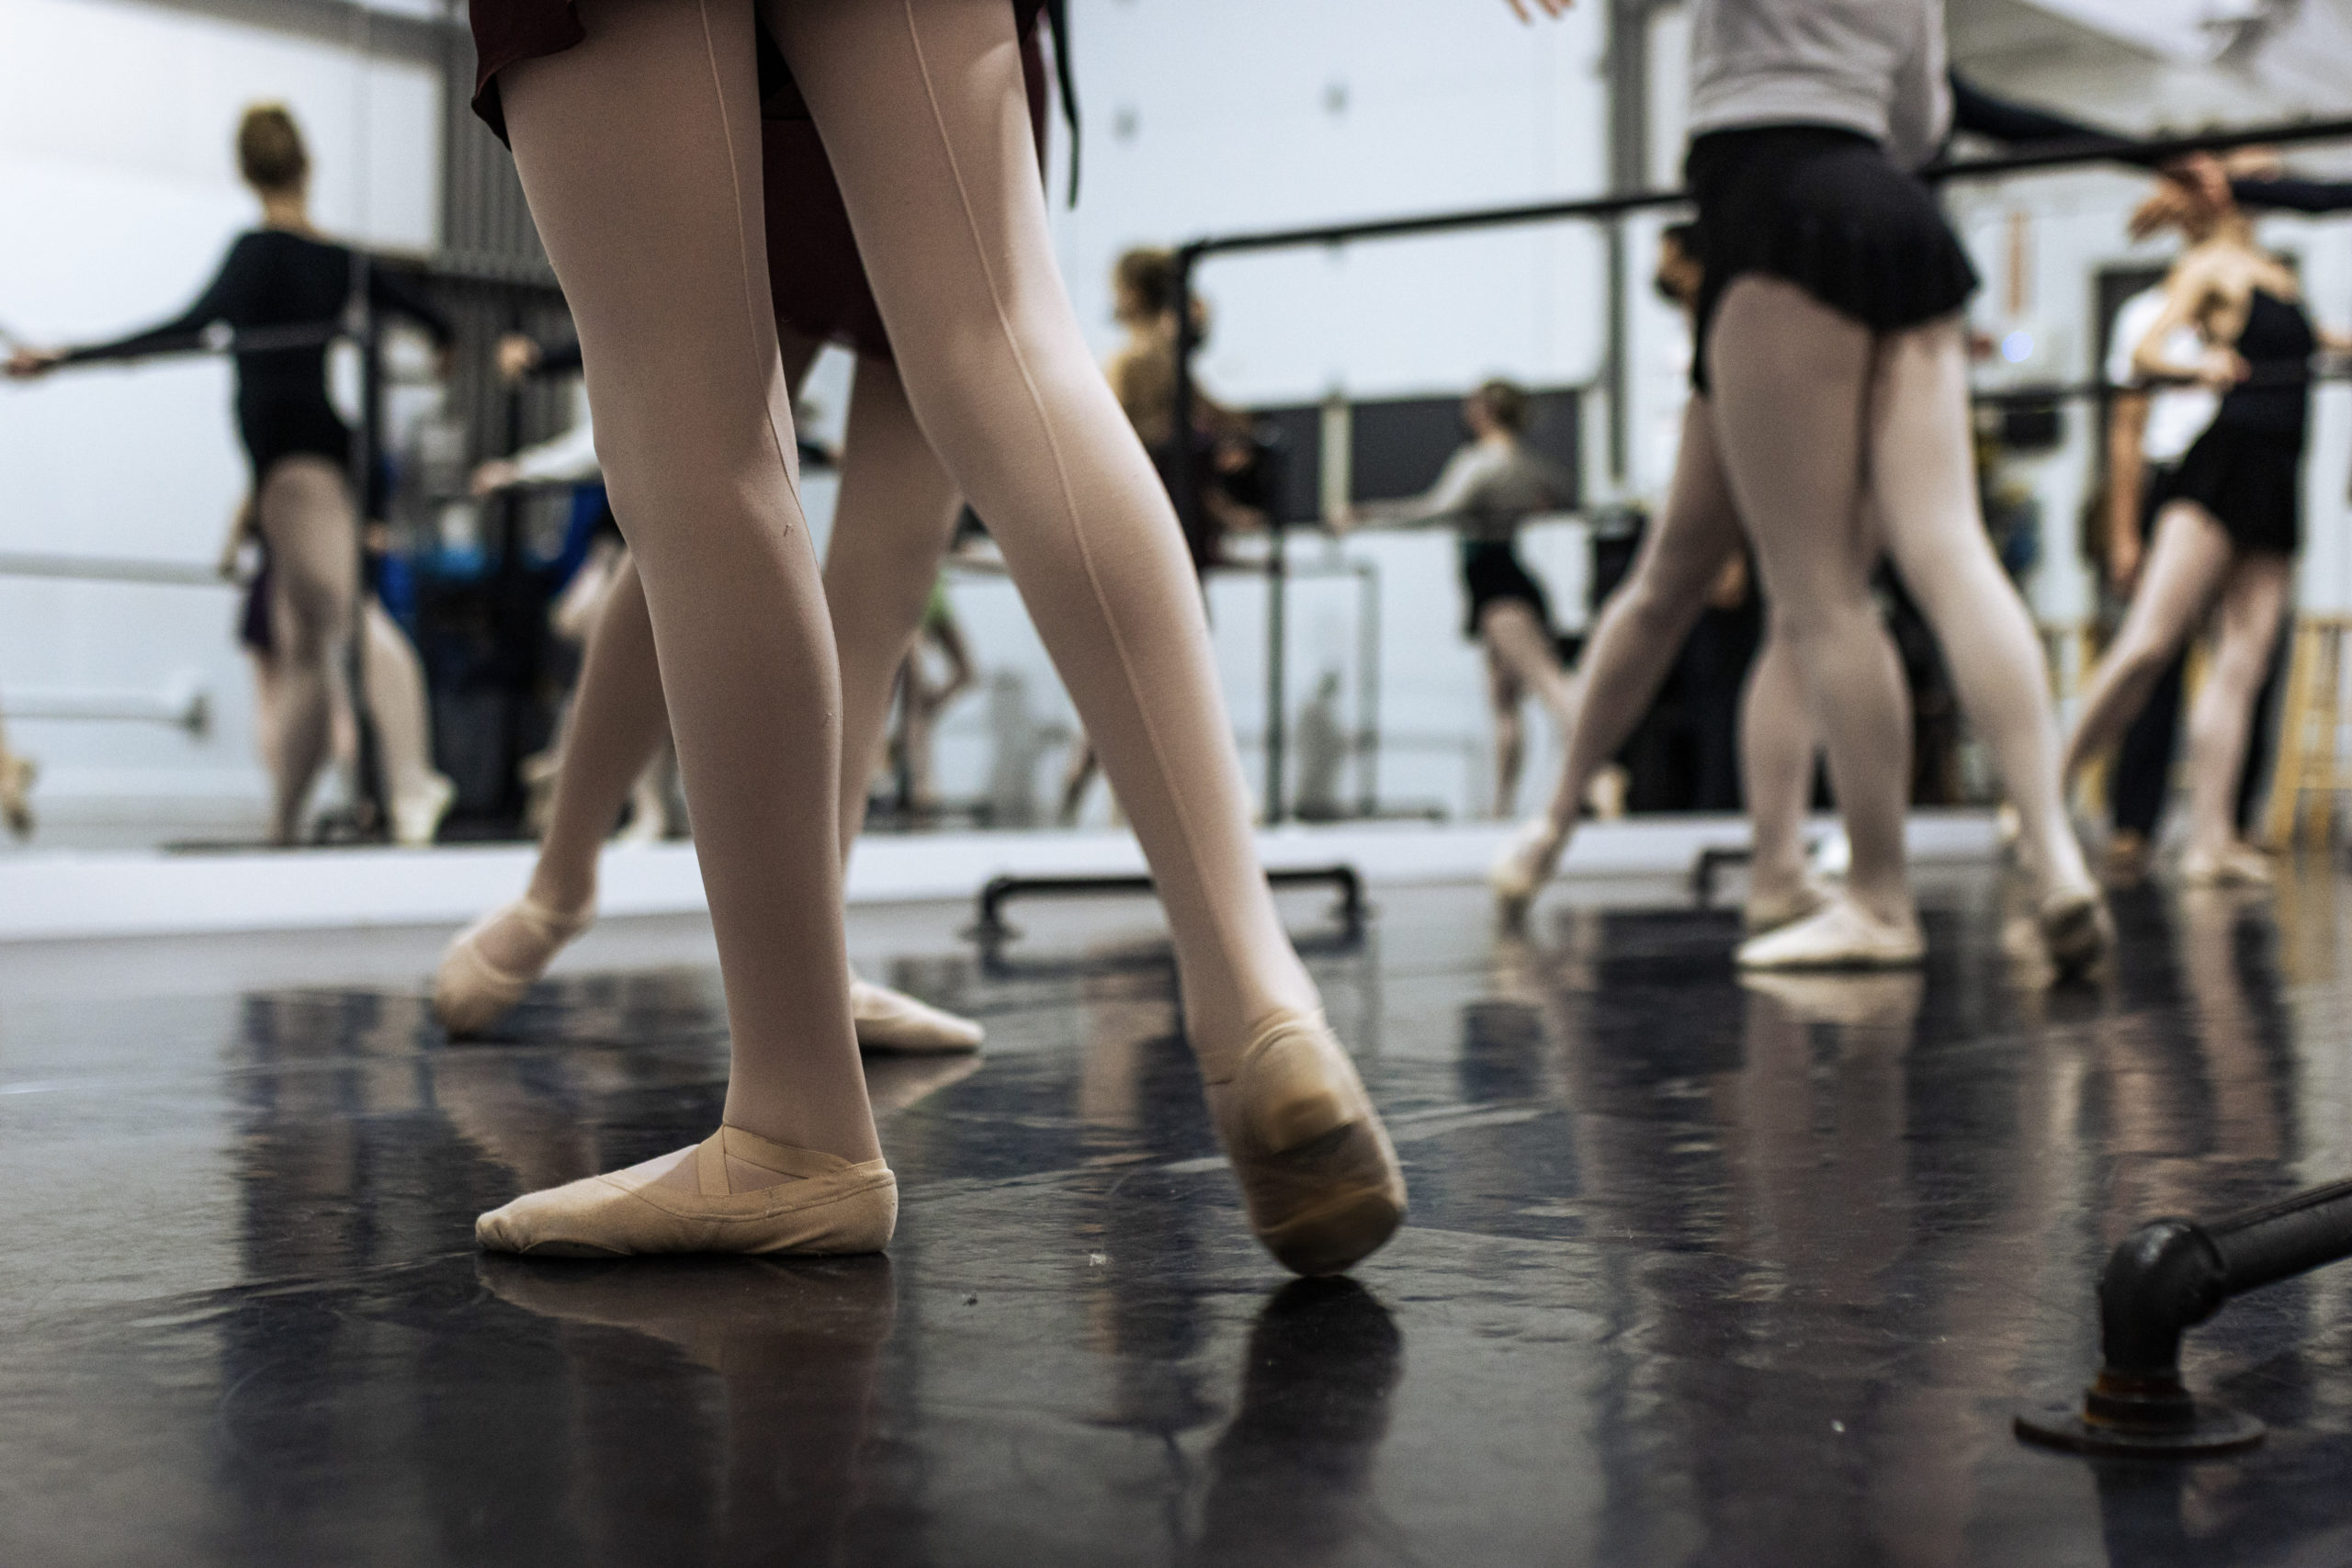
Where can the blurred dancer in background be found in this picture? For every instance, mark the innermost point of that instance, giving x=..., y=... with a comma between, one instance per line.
x=287, y=291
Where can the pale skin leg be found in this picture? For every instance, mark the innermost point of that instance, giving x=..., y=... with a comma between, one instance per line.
x=1503, y=696
x=2247, y=621
x=303, y=508
x=1795, y=467
x=2188, y=564
x=1519, y=653
x=1777, y=751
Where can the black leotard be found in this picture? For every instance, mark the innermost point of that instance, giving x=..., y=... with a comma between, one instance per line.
x=273, y=279
x=2246, y=469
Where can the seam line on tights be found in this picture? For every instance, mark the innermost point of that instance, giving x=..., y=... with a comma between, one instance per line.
x=743, y=250
x=1061, y=469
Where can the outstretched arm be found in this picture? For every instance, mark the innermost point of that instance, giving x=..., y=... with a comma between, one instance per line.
x=184, y=333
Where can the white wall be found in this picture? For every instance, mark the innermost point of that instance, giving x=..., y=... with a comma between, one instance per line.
x=119, y=183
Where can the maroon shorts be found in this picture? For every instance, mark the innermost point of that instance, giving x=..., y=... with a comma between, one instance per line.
x=814, y=274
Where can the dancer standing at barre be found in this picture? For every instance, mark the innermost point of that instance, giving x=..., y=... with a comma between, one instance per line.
x=284, y=278
x=2227, y=533
x=634, y=128
x=1831, y=419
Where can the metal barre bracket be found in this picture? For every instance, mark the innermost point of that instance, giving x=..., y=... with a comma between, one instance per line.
x=2162, y=1279
x=991, y=928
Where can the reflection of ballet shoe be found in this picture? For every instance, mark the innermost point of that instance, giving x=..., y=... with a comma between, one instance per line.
x=1840, y=935
x=2238, y=865
x=1524, y=865
x=16, y=775
x=892, y=1021
x=895, y=1082
x=832, y=1206
x=416, y=817
x=1870, y=1000
x=470, y=992
x=2076, y=930
x=729, y=1314
x=1769, y=914
x=1317, y=1173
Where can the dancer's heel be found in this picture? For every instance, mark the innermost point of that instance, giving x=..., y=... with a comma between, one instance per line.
x=471, y=993
x=1317, y=1173
x=831, y=1206
x=2076, y=930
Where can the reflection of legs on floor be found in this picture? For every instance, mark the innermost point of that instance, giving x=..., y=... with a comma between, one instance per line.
x=949, y=211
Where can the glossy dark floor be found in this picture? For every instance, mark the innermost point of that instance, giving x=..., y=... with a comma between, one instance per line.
x=1697, y=1273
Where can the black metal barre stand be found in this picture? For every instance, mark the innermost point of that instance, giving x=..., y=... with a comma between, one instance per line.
x=2166, y=1277
x=2070, y=154
x=991, y=929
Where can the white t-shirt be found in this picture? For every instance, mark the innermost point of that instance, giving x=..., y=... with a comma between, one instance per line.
x=1874, y=66
x=2178, y=415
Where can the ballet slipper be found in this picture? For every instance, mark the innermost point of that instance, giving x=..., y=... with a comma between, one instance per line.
x=2077, y=930
x=416, y=819
x=832, y=1206
x=1841, y=934
x=16, y=775
x=893, y=1023
x=471, y=993
x=1525, y=865
x=1769, y=914
x=2238, y=865
x=1317, y=1173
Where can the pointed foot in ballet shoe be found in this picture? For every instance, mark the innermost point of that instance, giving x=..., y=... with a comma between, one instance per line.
x=416, y=819
x=2240, y=865
x=1522, y=868
x=1318, y=1172
x=826, y=1205
x=2076, y=930
x=1840, y=935
x=470, y=992
x=893, y=1023
x=1761, y=916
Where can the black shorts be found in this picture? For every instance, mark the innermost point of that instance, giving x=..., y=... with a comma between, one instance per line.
x=1826, y=210
x=2251, y=481
x=1492, y=572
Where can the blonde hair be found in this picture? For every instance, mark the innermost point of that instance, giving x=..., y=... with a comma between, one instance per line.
x=269, y=149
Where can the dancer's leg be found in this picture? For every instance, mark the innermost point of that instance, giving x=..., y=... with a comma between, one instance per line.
x=2254, y=600
x=2186, y=567
x=638, y=151
x=1776, y=751
x=896, y=518
x=1503, y=694
x=1514, y=637
x=1643, y=626
x=1923, y=475
x=397, y=707
x=1790, y=382
x=921, y=108
x=304, y=508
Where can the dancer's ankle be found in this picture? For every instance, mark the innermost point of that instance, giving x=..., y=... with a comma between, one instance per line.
x=569, y=898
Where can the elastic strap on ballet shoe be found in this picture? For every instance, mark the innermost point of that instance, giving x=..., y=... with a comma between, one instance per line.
x=1272, y=1029
x=710, y=1159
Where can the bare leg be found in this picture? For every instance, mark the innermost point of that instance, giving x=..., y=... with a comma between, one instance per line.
x=1790, y=382
x=2254, y=600
x=1923, y=477
x=304, y=509
x=1503, y=694
x=2187, y=566
x=1777, y=751
x=639, y=150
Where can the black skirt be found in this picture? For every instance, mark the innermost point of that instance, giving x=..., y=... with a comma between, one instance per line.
x=1826, y=210
x=2251, y=481
x=1492, y=572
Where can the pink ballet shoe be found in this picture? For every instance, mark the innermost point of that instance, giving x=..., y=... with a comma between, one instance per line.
x=1840, y=935
x=1760, y=916
x=1524, y=865
x=893, y=1023
x=1317, y=1173
x=832, y=1206
x=470, y=992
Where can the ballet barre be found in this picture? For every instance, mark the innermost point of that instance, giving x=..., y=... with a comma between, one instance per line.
x=107, y=569
x=991, y=930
